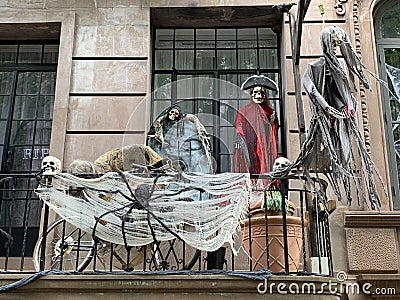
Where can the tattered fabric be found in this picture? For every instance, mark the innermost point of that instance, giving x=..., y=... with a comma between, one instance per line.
x=256, y=142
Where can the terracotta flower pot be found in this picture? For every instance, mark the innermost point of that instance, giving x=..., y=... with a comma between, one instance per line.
x=275, y=242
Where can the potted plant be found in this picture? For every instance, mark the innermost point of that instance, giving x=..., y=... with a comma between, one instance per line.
x=255, y=226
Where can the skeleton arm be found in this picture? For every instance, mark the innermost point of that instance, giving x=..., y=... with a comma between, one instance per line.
x=315, y=96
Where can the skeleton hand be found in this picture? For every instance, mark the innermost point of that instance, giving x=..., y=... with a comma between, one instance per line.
x=335, y=113
x=273, y=115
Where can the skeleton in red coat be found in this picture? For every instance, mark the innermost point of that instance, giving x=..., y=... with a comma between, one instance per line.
x=256, y=128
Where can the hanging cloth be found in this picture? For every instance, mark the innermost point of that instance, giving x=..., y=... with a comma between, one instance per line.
x=256, y=139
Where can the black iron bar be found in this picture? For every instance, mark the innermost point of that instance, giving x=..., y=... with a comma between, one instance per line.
x=44, y=238
x=303, y=233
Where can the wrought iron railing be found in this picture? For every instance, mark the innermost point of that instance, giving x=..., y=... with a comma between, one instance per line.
x=61, y=246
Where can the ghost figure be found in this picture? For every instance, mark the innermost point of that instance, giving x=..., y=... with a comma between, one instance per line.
x=182, y=139
x=334, y=145
x=51, y=165
x=256, y=129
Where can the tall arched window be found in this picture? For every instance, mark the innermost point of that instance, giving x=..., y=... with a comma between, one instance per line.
x=387, y=34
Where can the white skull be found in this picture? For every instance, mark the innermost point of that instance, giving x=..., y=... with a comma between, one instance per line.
x=51, y=165
x=173, y=114
x=258, y=94
x=281, y=163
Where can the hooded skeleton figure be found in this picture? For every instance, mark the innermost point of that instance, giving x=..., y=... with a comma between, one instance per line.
x=334, y=145
x=183, y=139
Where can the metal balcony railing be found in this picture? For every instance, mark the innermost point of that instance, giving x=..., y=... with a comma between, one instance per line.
x=295, y=240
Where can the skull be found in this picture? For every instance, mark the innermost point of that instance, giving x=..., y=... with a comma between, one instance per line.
x=51, y=165
x=258, y=94
x=281, y=163
x=173, y=114
x=336, y=39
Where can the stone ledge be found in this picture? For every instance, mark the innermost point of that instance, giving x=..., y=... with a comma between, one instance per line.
x=371, y=219
x=164, y=287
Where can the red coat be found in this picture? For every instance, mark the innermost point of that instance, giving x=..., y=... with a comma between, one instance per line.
x=256, y=142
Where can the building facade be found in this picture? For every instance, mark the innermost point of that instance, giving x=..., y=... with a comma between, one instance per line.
x=79, y=78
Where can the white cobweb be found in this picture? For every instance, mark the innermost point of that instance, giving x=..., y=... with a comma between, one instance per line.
x=204, y=210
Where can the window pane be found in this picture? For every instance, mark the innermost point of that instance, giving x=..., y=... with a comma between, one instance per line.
x=184, y=38
x=30, y=54
x=163, y=59
x=4, y=106
x=22, y=132
x=390, y=23
x=162, y=86
x=226, y=59
x=229, y=86
x=247, y=59
x=50, y=54
x=158, y=107
x=274, y=77
x=247, y=38
x=48, y=83
x=45, y=107
x=205, y=59
x=226, y=38
x=204, y=87
x=268, y=58
x=3, y=126
x=185, y=87
x=205, y=107
x=43, y=132
x=8, y=53
x=205, y=38
x=28, y=83
x=228, y=111
x=184, y=60
x=164, y=39
x=6, y=82
x=267, y=38
x=241, y=79
x=186, y=106
x=25, y=107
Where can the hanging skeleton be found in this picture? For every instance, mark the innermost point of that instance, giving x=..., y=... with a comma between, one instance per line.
x=182, y=139
x=334, y=144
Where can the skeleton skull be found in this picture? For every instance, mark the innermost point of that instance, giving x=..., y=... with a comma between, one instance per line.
x=258, y=94
x=173, y=114
x=336, y=39
x=281, y=163
x=51, y=165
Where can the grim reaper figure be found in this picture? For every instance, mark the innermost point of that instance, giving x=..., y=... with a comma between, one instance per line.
x=334, y=145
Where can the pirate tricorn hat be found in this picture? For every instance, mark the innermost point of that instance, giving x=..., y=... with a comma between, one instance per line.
x=259, y=80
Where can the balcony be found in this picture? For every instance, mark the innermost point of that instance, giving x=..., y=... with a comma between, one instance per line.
x=70, y=259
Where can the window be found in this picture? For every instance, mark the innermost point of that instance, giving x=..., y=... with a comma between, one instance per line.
x=387, y=29
x=27, y=89
x=201, y=69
